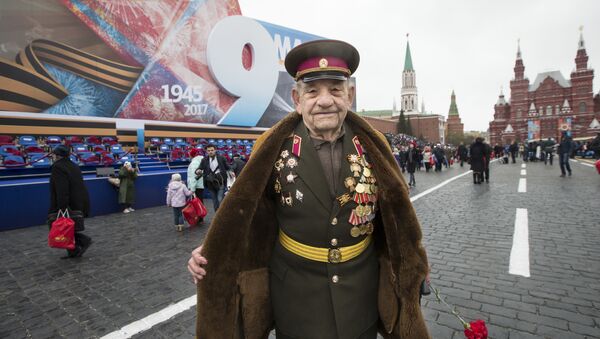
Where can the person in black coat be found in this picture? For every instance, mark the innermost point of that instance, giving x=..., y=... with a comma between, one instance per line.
x=462, y=153
x=412, y=159
x=487, y=158
x=214, y=173
x=477, y=156
x=67, y=191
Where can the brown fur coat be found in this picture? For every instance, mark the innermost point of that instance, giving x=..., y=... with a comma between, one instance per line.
x=233, y=298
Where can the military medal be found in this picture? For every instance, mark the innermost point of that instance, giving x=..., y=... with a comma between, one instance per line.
x=360, y=188
x=363, y=229
x=299, y=195
x=279, y=165
x=355, y=168
x=288, y=200
x=291, y=162
x=277, y=186
x=352, y=158
x=291, y=177
x=370, y=227
x=368, y=189
x=349, y=182
x=355, y=231
x=285, y=153
x=366, y=172
x=343, y=199
x=359, y=210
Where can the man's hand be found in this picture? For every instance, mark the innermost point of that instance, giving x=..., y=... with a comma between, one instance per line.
x=195, y=265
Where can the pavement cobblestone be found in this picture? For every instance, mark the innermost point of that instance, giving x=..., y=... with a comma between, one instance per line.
x=137, y=264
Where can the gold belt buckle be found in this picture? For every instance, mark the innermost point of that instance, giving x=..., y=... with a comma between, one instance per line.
x=334, y=256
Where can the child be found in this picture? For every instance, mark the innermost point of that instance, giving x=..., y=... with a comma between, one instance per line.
x=177, y=194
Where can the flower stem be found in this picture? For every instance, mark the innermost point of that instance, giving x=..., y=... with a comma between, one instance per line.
x=452, y=309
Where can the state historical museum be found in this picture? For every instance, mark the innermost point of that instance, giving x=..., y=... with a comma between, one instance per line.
x=549, y=106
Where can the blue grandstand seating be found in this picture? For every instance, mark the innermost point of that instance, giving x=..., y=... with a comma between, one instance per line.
x=80, y=149
x=117, y=150
x=36, y=162
x=27, y=140
x=155, y=141
x=13, y=161
x=53, y=139
x=168, y=141
x=7, y=150
x=164, y=148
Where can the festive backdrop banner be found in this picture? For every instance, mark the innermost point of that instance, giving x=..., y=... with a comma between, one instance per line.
x=194, y=61
x=533, y=129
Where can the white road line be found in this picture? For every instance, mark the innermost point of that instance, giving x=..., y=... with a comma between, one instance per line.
x=522, y=185
x=523, y=165
x=519, y=254
x=153, y=319
x=523, y=172
x=422, y=194
x=586, y=164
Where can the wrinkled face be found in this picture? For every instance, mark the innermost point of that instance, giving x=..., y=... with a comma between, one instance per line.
x=323, y=104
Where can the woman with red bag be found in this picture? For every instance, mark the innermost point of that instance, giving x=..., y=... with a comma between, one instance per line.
x=68, y=193
x=177, y=194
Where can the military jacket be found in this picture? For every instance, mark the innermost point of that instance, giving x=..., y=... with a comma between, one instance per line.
x=313, y=299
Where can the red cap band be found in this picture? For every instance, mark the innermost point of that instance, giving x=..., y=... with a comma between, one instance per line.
x=321, y=64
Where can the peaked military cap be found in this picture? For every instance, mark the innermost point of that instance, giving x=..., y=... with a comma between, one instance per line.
x=322, y=59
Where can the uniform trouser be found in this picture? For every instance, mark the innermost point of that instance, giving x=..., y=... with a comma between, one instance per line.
x=486, y=172
x=513, y=155
x=371, y=333
x=564, y=162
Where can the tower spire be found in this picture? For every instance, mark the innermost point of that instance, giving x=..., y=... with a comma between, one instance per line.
x=581, y=41
x=453, y=109
x=408, y=66
x=518, y=49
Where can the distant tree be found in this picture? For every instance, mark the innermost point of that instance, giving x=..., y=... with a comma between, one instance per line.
x=402, y=122
x=409, y=130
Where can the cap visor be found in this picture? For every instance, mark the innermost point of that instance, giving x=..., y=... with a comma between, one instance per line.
x=323, y=76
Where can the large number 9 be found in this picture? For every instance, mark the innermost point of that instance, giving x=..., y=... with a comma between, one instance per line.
x=254, y=87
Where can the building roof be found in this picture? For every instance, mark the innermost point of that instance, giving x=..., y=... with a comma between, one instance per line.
x=453, y=109
x=376, y=113
x=408, y=66
x=556, y=75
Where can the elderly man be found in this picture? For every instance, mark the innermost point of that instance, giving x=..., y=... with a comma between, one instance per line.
x=318, y=238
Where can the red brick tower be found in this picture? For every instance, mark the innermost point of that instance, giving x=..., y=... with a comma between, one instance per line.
x=582, y=102
x=519, y=96
x=454, y=125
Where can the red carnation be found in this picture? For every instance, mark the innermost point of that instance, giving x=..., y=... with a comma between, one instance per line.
x=476, y=330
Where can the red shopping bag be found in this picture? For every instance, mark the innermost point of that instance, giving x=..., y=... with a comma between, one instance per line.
x=62, y=232
x=598, y=166
x=194, y=211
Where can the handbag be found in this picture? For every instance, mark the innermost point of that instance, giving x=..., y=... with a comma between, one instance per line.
x=193, y=211
x=75, y=215
x=62, y=232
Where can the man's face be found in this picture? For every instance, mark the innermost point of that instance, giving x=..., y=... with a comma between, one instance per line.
x=323, y=104
x=211, y=151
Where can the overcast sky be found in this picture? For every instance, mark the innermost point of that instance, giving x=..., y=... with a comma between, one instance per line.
x=468, y=46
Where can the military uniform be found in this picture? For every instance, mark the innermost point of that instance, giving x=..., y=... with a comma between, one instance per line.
x=336, y=298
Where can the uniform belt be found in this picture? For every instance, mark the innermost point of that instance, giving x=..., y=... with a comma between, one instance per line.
x=323, y=254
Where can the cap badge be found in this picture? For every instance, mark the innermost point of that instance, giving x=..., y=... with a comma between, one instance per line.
x=323, y=63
